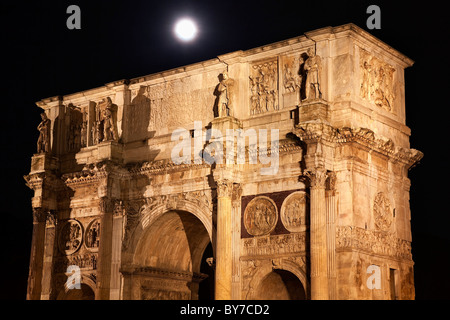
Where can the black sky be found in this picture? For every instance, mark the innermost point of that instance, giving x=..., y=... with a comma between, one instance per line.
x=126, y=39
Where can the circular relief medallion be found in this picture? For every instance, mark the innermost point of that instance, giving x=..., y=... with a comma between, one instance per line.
x=382, y=212
x=70, y=237
x=92, y=235
x=260, y=216
x=293, y=212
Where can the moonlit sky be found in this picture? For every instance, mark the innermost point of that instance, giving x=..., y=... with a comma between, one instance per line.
x=127, y=39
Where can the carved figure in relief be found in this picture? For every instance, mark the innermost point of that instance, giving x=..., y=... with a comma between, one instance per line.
x=109, y=116
x=260, y=216
x=70, y=237
x=376, y=81
x=313, y=67
x=84, y=134
x=264, y=87
x=292, y=81
x=43, y=143
x=93, y=235
x=225, y=88
x=382, y=212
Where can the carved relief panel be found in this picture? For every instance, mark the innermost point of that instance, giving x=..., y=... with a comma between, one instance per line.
x=377, y=81
x=260, y=216
x=264, y=87
x=70, y=237
x=92, y=235
x=294, y=212
x=382, y=212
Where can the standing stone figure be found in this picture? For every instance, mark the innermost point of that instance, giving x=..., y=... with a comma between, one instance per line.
x=109, y=120
x=313, y=67
x=225, y=90
x=43, y=143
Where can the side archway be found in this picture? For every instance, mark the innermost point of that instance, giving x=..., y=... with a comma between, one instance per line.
x=279, y=280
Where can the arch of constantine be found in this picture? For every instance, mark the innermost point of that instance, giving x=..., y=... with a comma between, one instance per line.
x=279, y=172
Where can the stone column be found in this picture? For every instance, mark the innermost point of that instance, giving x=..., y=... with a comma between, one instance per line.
x=106, y=207
x=318, y=239
x=223, y=241
x=37, y=255
x=236, y=241
x=330, y=194
x=49, y=250
x=117, y=229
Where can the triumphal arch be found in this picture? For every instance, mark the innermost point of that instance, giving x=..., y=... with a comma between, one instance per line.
x=279, y=172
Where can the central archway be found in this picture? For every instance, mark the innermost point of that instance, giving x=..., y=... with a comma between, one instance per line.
x=169, y=257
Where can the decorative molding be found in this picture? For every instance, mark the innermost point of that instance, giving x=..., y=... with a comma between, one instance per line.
x=315, y=131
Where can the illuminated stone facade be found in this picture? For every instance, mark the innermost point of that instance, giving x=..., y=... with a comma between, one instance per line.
x=110, y=202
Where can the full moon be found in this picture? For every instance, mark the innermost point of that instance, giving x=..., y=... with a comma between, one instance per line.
x=185, y=29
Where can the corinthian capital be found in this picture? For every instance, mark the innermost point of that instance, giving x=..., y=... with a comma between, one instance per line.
x=317, y=177
x=224, y=188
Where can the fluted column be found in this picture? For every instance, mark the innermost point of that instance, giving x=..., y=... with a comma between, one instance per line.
x=106, y=207
x=49, y=250
x=318, y=239
x=37, y=255
x=331, y=234
x=223, y=241
x=117, y=230
x=236, y=241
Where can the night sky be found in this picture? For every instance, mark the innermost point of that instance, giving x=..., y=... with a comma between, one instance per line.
x=127, y=39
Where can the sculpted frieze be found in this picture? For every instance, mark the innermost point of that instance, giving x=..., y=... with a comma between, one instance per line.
x=86, y=261
x=275, y=244
x=372, y=242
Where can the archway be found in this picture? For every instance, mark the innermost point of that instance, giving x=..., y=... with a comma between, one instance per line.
x=84, y=293
x=169, y=257
x=280, y=285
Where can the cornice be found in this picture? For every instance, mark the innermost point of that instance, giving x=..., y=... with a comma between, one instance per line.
x=320, y=131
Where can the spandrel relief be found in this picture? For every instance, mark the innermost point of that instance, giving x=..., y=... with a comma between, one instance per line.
x=264, y=87
x=377, y=81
